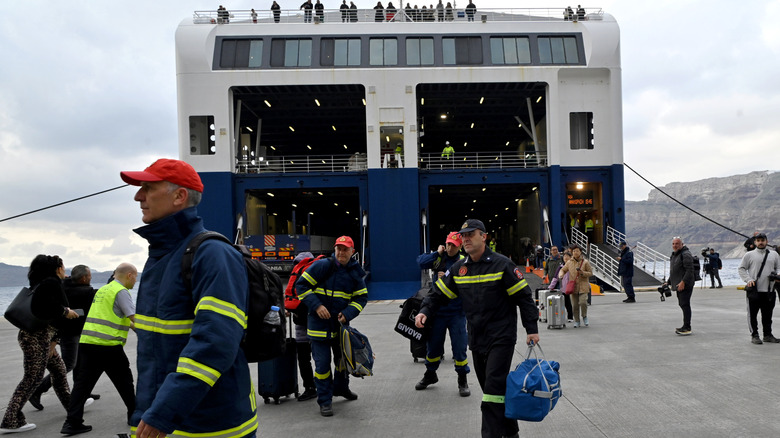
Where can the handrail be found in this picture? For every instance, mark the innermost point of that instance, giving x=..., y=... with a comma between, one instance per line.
x=604, y=266
x=614, y=237
x=482, y=160
x=645, y=258
x=303, y=163
x=580, y=238
x=244, y=16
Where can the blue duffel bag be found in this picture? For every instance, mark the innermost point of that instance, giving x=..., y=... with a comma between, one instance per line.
x=533, y=388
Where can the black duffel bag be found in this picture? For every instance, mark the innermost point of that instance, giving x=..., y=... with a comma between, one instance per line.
x=19, y=312
x=409, y=310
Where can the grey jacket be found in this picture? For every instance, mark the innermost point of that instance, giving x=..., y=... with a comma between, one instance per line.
x=751, y=263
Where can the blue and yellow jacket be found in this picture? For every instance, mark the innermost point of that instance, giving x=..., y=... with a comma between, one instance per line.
x=193, y=378
x=341, y=289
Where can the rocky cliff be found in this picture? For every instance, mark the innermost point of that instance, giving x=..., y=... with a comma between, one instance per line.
x=744, y=203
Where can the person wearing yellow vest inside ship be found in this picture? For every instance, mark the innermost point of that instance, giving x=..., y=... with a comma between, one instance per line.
x=448, y=151
x=110, y=317
x=589, y=228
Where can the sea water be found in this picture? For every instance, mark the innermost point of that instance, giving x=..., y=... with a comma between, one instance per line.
x=728, y=276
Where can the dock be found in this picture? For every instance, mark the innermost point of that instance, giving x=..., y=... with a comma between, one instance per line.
x=627, y=375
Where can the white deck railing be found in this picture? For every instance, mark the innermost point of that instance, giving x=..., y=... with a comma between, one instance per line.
x=645, y=258
x=604, y=266
x=482, y=160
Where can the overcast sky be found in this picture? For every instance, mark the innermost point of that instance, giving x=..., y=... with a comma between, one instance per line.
x=88, y=88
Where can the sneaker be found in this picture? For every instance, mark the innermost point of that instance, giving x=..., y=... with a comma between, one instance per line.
x=585, y=320
x=463, y=386
x=771, y=339
x=26, y=428
x=346, y=393
x=429, y=378
x=629, y=300
x=326, y=410
x=683, y=331
x=89, y=402
x=35, y=400
x=756, y=340
x=576, y=324
x=308, y=394
x=74, y=429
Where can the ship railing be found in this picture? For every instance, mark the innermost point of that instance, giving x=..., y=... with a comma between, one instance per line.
x=645, y=258
x=304, y=163
x=244, y=16
x=604, y=266
x=580, y=238
x=482, y=160
x=614, y=237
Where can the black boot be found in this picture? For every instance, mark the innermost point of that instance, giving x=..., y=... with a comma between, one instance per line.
x=463, y=386
x=429, y=378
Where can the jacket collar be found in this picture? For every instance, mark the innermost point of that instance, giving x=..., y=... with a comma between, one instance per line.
x=167, y=233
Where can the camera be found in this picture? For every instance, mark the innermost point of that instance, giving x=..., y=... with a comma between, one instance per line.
x=773, y=276
x=665, y=291
x=705, y=251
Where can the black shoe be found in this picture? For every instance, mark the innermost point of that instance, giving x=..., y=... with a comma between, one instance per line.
x=719, y=287
x=35, y=400
x=308, y=394
x=756, y=340
x=346, y=393
x=712, y=287
x=771, y=339
x=429, y=378
x=629, y=300
x=95, y=396
x=326, y=410
x=683, y=331
x=463, y=386
x=74, y=429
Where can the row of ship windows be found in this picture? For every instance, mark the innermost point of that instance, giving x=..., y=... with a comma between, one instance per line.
x=384, y=51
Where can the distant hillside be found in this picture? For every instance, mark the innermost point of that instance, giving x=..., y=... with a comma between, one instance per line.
x=17, y=276
x=745, y=203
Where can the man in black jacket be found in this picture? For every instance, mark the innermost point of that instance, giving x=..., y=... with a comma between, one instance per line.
x=715, y=266
x=626, y=271
x=682, y=279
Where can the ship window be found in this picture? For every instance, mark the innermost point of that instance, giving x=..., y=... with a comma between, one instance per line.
x=291, y=53
x=383, y=51
x=241, y=53
x=340, y=51
x=203, y=135
x=558, y=50
x=510, y=50
x=419, y=51
x=255, y=53
x=581, y=130
x=462, y=50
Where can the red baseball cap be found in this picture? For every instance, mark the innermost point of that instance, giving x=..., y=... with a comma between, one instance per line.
x=454, y=238
x=165, y=169
x=346, y=241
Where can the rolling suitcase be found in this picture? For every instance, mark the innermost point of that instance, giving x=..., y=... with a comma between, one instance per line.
x=543, y=294
x=278, y=377
x=556, y=311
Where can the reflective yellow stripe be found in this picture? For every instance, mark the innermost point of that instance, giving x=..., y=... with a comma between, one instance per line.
x=198, y=370
x=445, y=290
x=493, y=398
x=252, y=399
x=461, y=363
x=333, y=293
x=433, y=359
x=304, y=294
x=156, y=325
x=360, y=292
x=471, y=279
x=223, y=308
x=521, y=284
x=322, y=376
x=238, y=431
x=309, y=278
x=320, y=334
x=357, y=306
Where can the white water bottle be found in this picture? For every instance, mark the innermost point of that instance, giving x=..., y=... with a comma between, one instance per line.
x=272, y=317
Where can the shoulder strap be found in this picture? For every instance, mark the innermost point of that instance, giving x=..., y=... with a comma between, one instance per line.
x=760, y=270
x=191, y=249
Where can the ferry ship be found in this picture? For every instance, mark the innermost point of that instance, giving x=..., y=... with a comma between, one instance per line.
x=307, y=127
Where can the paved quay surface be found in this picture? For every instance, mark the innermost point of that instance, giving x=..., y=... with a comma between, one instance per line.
x=627, y=375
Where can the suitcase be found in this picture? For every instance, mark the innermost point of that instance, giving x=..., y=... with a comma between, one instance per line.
x=556, y=311
x=278, y=377
x=542, y=304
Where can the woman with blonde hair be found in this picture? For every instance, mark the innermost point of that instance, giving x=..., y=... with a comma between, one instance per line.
x=579, y=272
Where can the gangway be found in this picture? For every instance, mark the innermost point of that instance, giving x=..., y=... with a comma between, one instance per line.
x=645, y=258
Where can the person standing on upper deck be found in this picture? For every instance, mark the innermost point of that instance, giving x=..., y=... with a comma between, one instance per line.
x=471, y=9
x=440, y=11
x=379, y=14
x=319, y=11
x=448, y=12
x=353, y=15
x=277, y=11
x=307, y=6
x=344, y=8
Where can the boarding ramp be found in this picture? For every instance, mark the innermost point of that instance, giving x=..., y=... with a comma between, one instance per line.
x=645, y=258
x=604, y=266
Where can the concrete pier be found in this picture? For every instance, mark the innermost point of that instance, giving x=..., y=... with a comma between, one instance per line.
x=627, y=375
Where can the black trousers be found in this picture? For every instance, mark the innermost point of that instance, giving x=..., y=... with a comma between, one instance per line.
x=766, y=304
x=492, y=368
x=93, y=361
x=684, y=301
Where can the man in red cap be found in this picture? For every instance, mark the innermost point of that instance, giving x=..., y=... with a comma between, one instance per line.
x=448, y=317
x=334, y=291
x=193, y=377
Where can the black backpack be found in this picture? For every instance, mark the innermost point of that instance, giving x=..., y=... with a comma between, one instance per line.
x=696, y=268
x=261, y=341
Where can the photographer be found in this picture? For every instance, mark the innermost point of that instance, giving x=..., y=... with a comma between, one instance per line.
x=756, y=268
x=715, y=266
x=681, y=279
